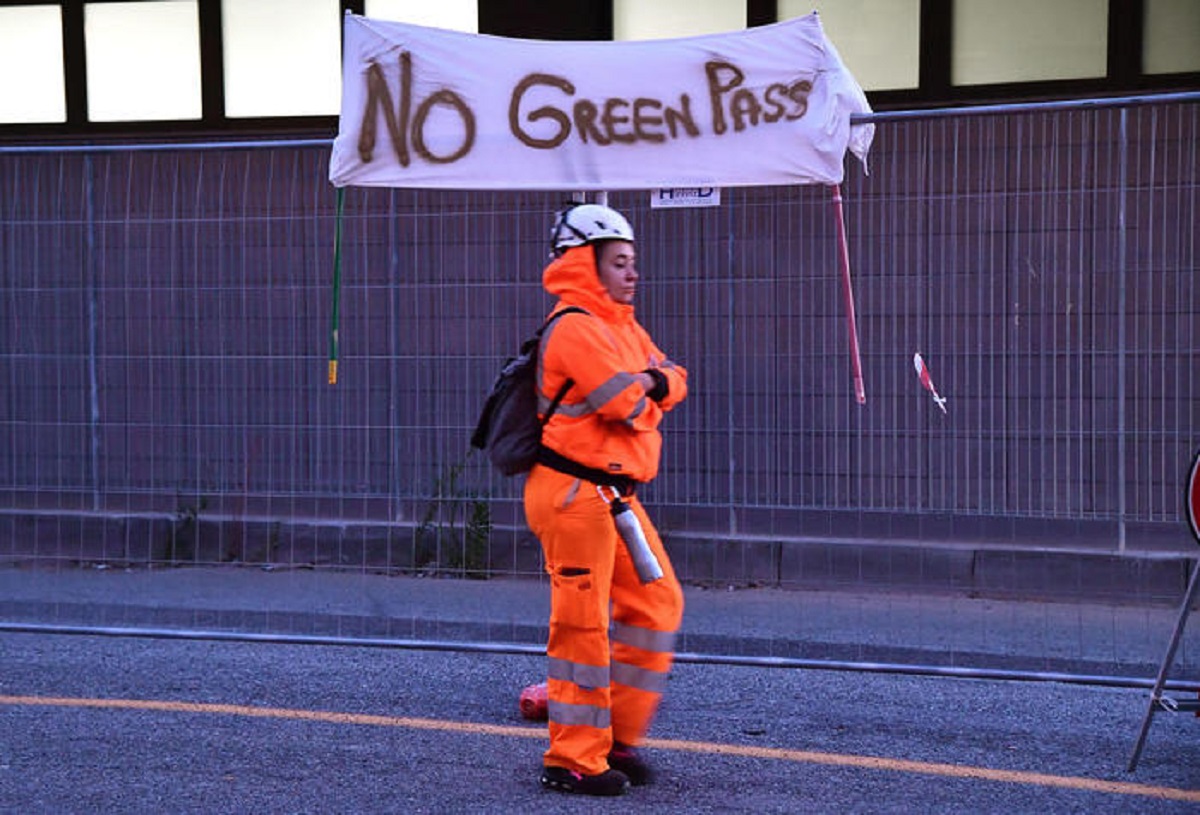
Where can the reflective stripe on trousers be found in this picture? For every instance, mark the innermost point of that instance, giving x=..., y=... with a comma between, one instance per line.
x=599, y=689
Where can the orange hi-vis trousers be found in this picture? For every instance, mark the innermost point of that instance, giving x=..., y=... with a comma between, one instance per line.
x=601, y=688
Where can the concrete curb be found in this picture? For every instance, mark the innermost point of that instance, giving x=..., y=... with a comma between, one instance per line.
x=975, y=569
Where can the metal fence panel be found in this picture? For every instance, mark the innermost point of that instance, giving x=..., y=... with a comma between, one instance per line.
x=165, y=319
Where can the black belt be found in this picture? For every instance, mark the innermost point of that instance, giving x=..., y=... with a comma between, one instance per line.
x=626, y=485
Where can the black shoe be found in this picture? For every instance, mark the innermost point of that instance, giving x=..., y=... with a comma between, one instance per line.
x=627, y=760
x=609, y=782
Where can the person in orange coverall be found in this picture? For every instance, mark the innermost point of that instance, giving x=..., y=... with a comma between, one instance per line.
x=600, y=445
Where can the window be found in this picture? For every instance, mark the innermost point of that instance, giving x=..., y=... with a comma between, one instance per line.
x=32, y=88
x=666, y=19
x=143, y=60
x=456, y=15
x=879, y=40
x=1172, y=37
x=1028, y=40
x=282, y=57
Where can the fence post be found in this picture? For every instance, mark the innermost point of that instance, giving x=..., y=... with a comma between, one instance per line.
x=90, y=283
x=730, y=402
x=1122, y=255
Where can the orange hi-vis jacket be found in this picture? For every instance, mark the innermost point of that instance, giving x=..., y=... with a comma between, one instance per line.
x=605, y=421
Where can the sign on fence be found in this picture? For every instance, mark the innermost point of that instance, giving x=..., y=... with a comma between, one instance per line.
x=685, y=197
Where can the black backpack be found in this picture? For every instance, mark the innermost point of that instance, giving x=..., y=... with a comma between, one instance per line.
x=509, y=429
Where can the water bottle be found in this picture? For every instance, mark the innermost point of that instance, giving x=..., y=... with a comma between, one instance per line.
x=630, y=529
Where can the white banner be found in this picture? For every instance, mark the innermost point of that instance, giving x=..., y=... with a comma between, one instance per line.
x=424, y=107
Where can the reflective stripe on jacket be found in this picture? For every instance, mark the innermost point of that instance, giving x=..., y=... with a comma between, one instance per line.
x=606, y=421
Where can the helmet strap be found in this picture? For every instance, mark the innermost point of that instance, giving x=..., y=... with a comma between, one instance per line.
x=562, y=224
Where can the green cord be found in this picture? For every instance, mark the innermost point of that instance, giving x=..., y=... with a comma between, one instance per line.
x=337, y=285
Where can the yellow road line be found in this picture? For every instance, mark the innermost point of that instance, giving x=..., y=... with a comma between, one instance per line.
x=711, y=748
x=280, y=713
x=932, y=768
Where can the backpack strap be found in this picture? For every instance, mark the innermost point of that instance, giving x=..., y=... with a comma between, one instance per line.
x=560, y=313
x=557, y=400
x=566, y=386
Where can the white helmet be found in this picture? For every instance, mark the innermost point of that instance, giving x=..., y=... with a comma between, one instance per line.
x=585, y=223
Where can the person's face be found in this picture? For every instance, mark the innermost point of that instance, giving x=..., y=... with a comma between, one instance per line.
x=618, y=270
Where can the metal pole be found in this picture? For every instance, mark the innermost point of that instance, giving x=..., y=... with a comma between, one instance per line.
x=92, y=285
x=682, y=657
x=1122, y=242
x=731, y=412
x=337, y=286
x=1024, y=107
x=1159, y=683
x=848, y=296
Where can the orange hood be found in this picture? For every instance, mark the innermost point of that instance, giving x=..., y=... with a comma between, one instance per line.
x=575, y=279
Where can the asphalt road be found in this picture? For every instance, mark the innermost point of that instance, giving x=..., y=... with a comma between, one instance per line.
x=133, y=725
